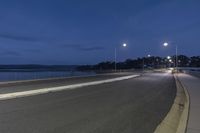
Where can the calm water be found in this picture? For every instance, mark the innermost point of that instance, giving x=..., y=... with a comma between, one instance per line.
x=13, y=76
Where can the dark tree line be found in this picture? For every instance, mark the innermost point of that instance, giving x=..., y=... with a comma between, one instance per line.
x=146, y=62
x=35, y=67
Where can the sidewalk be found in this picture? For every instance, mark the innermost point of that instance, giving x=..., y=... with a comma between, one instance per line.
x=192, y=84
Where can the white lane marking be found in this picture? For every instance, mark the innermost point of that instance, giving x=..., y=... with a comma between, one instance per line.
x=55, y=89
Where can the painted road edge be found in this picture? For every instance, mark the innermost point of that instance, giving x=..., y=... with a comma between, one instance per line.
x=177, y=118
x=60, y=88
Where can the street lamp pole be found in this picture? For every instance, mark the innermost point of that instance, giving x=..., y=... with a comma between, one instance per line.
x=143, y=64
x=115, y=51
x=176, y=57
x=176, y=60
x=115, y=59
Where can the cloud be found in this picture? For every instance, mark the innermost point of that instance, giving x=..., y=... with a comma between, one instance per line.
x=82, y=47
x=33, y=50
x=75, y=46
x=18, y=37
x=9, y=53
x=94, y=48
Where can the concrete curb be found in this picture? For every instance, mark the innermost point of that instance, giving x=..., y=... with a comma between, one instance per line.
x=182, y=128
x=177, y=118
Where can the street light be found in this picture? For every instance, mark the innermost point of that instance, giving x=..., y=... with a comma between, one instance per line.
x=143, y=63
x=124, y=45
x=165, y=44
x=176, y=48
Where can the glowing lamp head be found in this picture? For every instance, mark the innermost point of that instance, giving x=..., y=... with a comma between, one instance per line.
x=165, y=44
x=124, y=45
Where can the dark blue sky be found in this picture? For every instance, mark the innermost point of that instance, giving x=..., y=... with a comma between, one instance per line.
x=87, y=31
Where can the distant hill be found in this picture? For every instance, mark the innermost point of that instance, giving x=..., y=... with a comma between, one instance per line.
x=33, y=67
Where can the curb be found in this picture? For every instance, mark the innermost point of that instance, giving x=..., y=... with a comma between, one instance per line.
x=182, y=128
x=177, y=118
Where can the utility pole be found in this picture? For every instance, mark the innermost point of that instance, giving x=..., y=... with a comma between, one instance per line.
x=115, y=59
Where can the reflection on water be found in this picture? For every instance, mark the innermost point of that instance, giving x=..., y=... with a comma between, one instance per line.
x=13, y=76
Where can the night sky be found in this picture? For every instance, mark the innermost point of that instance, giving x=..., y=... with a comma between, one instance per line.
x=88, y=31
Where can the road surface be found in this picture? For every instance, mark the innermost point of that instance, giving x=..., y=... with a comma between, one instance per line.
x=17, y=86
x=135, y=105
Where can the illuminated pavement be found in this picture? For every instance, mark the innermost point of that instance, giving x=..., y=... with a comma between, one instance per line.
x=133, y=105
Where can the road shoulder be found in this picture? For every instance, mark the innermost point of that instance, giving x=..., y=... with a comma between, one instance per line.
x=193, y=86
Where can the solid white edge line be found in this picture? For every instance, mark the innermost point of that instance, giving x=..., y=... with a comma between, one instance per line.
x=60, y=88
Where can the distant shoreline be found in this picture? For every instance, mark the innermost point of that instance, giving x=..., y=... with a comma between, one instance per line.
x=34, y=68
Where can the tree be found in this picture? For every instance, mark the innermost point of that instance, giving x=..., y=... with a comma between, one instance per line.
x=195, y=61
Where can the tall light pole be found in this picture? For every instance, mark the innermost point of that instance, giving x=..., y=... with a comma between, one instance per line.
x=124, y=45
x=176, y=60
x=143, y=63
x=115, y=59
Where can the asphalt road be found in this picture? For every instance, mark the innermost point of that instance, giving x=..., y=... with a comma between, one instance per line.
x=130, y=106
x=8, y=87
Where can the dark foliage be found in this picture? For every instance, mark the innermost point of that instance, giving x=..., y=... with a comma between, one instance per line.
x=146, y=62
